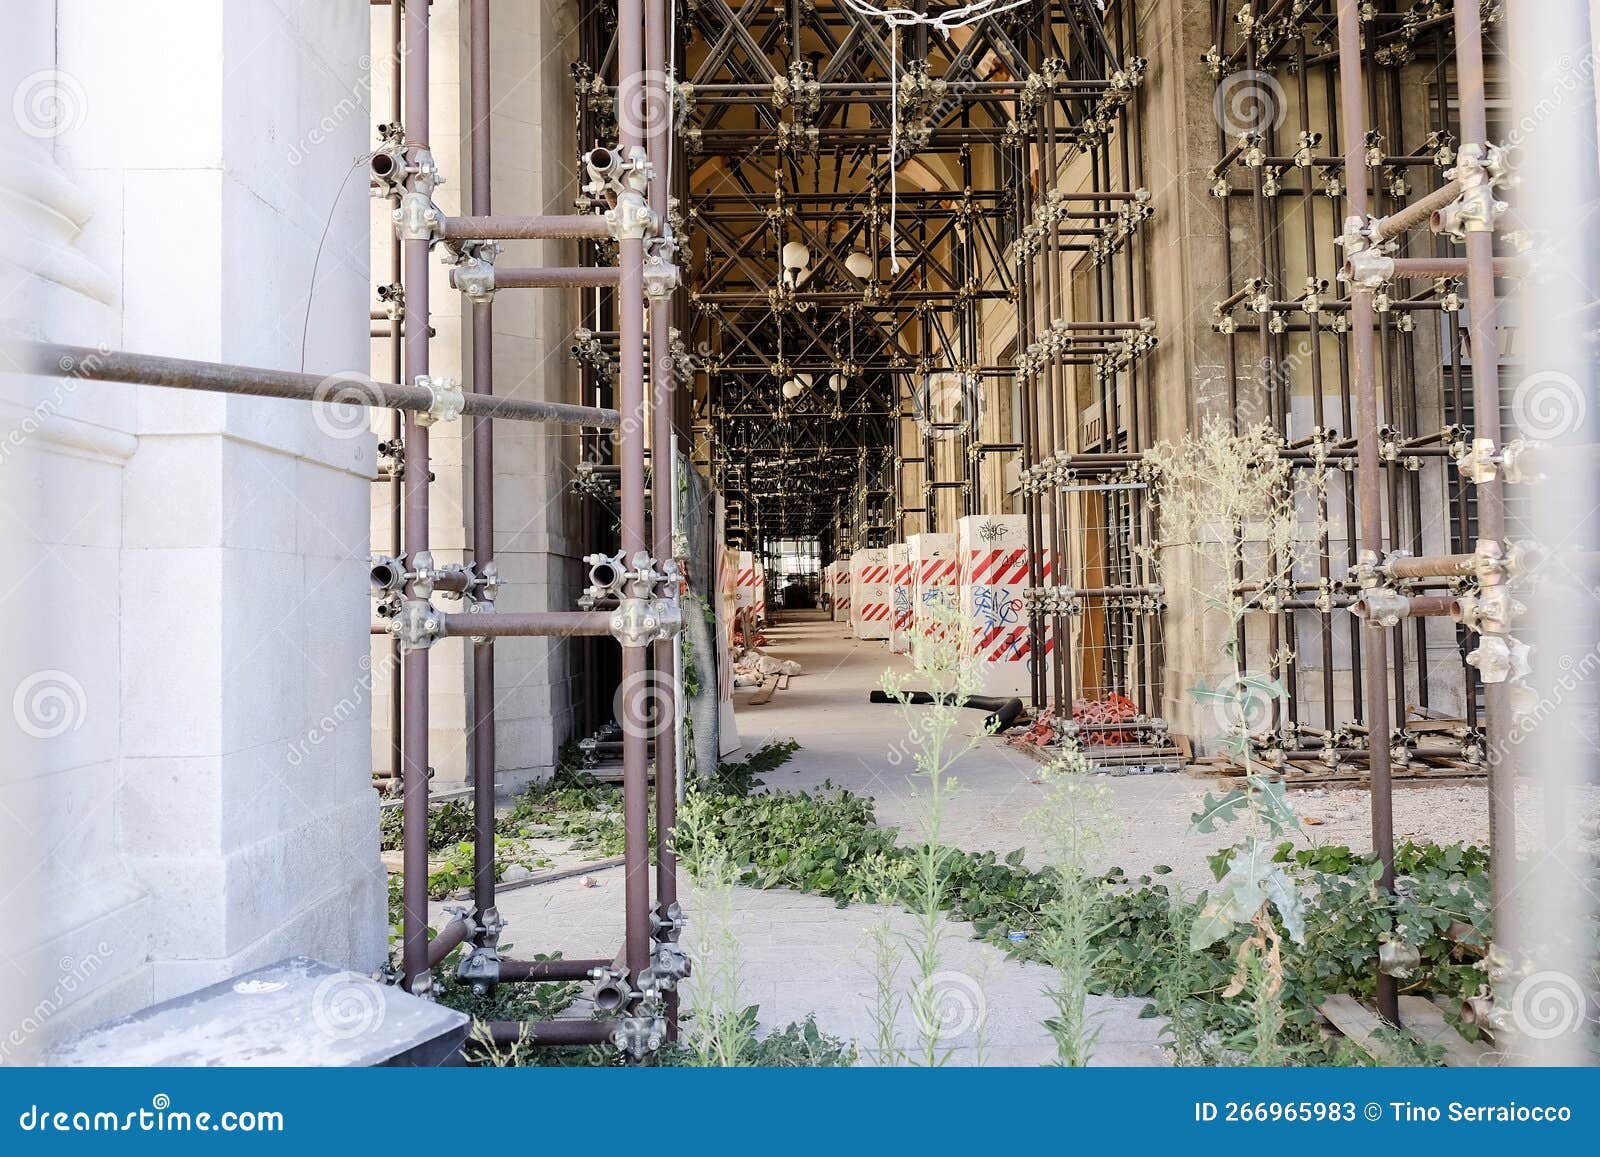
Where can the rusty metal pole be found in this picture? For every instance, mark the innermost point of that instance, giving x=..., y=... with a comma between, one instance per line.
x=483, y=695
x=397, y=429
x=663, y=487
x=414, y=667
x=632, y=439
x=1491, y=494
x=1369, y=464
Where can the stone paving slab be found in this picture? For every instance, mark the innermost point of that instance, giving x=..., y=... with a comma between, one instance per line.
x=803, y=955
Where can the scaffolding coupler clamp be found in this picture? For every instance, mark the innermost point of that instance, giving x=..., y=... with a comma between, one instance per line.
x=473, y=274
x=660, y=271
x=648, y=610
x=621, y=183
x=1366, y=266
x=1480, y=462
x=633, y=623
x=668, y=924
x=448, y=400
x=1480, y=169
x=480, y=961
x=669, y=964
x=639, y=1036
x=606, y=574
x=416, y=625
x=1499, y=658
x=1381, y=607
x=418, y=219
x=398, y=168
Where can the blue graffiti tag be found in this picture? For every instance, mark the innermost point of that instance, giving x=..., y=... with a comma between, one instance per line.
x=993, y=608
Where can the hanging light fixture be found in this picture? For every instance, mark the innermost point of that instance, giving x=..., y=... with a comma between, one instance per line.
x=792, y=389
x=796, y=261
x=859, y=264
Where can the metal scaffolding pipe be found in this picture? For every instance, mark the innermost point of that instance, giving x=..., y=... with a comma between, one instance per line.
x=549, y=1032
x=546, y=970
x=448, y=939
x=340, y=389
x=484, y=754
x=1416, y=214
x=571, y=226
x=1491, y=494
x=414, y=664
x=663, y=491
x=576, y=277
x=633, y=440
x=494, y=625
x=1369, y=478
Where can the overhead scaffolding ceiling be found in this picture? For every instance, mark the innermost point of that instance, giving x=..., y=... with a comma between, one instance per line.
x=786, y=117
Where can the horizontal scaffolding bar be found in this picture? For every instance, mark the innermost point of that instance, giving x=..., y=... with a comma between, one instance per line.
x=540, y=228
x=558, y=969
x=550, y=1032
x=350, y=388
x=558, y=277
x=495, y=625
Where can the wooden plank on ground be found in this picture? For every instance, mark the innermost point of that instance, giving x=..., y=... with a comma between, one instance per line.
x=1361, y=1025
x=768, y=686
x=1424, y=1020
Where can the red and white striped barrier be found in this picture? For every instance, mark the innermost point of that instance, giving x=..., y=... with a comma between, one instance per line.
x=900, y=605
x=870, y=593
x=935, y=579
x=841, y=591
x=993, y=553
x=745, y=581
x=758, y=609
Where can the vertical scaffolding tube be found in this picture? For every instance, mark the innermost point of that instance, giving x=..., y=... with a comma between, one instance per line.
x=483, y=693
x=1369, y=463
x=1491, y=494
x=414, y=925
x=663, y=484
x=632, y=437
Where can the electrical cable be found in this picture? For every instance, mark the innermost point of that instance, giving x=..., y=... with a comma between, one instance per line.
x=311, y=291
x=945, y=23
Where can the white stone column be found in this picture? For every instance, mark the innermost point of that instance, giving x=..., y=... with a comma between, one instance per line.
x=193, y=566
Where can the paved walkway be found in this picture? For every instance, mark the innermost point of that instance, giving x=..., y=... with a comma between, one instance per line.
x=803, y=955
x=862, y=746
